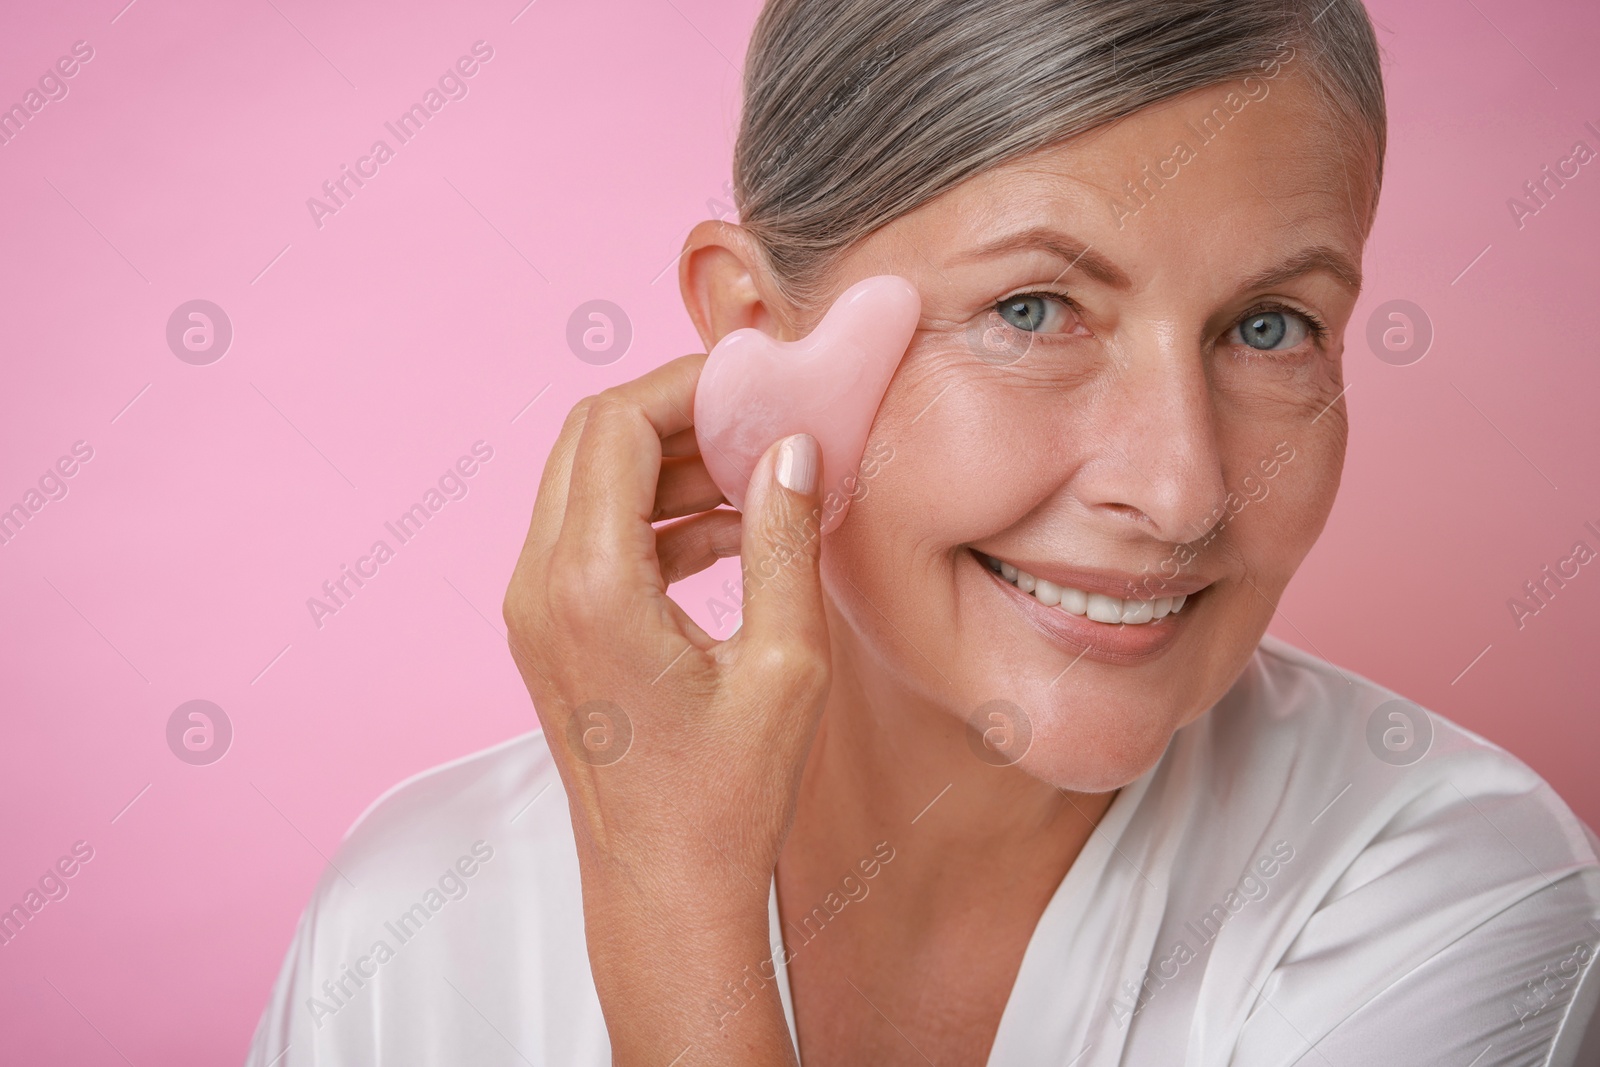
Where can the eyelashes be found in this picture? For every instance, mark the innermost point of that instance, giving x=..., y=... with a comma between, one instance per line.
x=999, y=307
x=1319, y=329
x=1315, y=325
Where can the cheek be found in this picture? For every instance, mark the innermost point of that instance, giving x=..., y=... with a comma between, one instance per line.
x=966, y=460
x=971, y=445
x=1284, y=441
x=1277, y=532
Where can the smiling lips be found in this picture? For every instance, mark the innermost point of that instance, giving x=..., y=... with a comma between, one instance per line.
x=1096, y=606
x=1118, y=628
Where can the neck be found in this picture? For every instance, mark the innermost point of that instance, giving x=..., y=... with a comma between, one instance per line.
x=893, y=766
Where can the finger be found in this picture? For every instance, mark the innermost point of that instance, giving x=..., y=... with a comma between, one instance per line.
x=550, y=503
x=685, y=488
x=522, y=606
x=606, y=530
x=691, y=629
x=780, y=549
x=682, y=443
x=691, y=545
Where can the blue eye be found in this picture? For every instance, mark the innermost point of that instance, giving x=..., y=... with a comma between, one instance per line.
x=1029, y=311
x=1268, y=330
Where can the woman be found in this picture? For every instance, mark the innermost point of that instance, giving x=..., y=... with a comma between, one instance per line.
x=1006, y=772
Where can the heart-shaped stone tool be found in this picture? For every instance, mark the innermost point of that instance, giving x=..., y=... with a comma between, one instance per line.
x=754, y=390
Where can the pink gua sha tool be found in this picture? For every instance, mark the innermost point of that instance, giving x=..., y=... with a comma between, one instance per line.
x=754, y=390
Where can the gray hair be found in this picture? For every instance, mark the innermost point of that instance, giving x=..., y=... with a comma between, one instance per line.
x=859, y=111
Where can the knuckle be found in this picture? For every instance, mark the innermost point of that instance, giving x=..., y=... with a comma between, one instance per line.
x=578, y=416
x=527, y=618
x=614, y=401
x=527, y=623
x=791, y=666
x=518, y=611
x=565, y=591
x=569, y=588
x=513, y=611
x=795, y=533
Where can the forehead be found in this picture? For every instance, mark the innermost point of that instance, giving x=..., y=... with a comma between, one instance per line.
x=1263, y=161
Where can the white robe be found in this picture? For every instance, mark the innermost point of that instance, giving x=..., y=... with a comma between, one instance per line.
x=1270, y=893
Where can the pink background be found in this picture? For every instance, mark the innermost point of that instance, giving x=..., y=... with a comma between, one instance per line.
x=370, y=353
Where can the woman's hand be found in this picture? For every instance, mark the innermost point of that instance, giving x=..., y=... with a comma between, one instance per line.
x=681, y=755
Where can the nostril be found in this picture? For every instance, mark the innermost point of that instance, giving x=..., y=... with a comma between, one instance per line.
x=1127, y=511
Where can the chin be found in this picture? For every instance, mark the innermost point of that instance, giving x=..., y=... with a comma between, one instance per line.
x=1101, y=751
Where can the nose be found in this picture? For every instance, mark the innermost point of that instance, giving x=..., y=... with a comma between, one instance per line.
x=1153, y=438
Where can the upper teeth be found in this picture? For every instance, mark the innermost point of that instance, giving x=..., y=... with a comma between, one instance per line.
x=1096, y=606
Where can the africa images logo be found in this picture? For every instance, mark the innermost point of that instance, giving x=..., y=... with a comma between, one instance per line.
x=453, y=884
x=452, y=85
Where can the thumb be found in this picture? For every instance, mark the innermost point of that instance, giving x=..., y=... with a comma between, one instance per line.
x=780, y=545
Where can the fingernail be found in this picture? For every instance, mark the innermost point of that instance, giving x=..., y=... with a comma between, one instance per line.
x=798, y=460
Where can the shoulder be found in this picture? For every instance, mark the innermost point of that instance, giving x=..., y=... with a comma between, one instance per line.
x=503, y=803
x=1375, y=783
x=1440, y=880
x=463, y=876
x=481, y=791
x=1312, y=724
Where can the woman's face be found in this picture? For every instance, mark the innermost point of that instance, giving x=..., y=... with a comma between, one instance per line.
x=1136, y=396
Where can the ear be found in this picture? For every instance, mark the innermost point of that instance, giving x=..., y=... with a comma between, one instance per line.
x=723, y=276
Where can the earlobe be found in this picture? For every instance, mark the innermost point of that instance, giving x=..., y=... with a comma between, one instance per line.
x=723, y=277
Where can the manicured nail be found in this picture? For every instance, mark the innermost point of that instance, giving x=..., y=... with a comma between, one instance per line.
x=798, y=459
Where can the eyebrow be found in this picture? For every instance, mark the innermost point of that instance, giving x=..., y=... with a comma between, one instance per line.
x=1308, y=261
x=1077, y=254
x=1063, y=246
